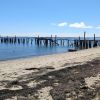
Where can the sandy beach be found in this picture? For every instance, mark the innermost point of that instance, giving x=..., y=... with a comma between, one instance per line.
x=28, y=74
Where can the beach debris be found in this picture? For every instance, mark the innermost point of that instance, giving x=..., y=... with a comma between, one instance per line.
x=84, y=87
x=15, y=82
x=72, y=50
x=50, y=67
x=32, y=69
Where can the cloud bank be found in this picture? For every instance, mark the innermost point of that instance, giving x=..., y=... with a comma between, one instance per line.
x=80, y=25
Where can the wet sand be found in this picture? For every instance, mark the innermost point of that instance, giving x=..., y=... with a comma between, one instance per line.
x=68, y=76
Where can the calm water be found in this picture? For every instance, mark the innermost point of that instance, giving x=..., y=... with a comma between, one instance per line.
x=14, y=51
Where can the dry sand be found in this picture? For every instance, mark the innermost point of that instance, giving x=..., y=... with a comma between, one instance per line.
x=22, y=77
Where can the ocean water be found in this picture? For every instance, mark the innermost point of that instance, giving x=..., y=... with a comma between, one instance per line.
x=14, y=51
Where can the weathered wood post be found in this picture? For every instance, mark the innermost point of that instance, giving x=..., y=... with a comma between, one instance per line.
x=23, y=40
x=90, y=44
x=84, y=43
x=63, y=42
x=15, y=39
x=55, y=39
x=35, y=40
x=79, y=42
x=18, y=41
x=51, y=41
x=94, y=37
x=31, y=40
x=74, y=43
x=1, y=39
x=38, y=40
x=46, y=42
x=68, y=43
x=95, y=42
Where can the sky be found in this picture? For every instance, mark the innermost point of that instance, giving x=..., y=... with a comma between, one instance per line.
x=46, y=17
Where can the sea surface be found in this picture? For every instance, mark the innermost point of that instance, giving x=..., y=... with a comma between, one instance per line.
x=15, y=50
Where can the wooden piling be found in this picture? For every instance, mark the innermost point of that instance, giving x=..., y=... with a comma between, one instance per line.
x=84, y=43
x=50, y=41
x=94, y=37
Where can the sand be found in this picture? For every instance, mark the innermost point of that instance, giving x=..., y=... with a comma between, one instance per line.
x=41, y=76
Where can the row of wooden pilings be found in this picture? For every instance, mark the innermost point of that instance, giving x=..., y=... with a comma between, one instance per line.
x=58, y=42
x=38, y=40
x=14, y=40
x=53, y=41
x=76, y=43
x=85, y=44
x=45, y=41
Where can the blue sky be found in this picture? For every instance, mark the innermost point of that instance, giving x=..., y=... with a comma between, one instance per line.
x=46, y=17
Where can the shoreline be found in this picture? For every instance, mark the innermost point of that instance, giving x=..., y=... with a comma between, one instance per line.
x=16, y=68
x=46, y=55
x=32, y=56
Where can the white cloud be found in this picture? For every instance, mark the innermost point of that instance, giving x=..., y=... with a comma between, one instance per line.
x=98, y=27
x=80, y=25
x=62, y=24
